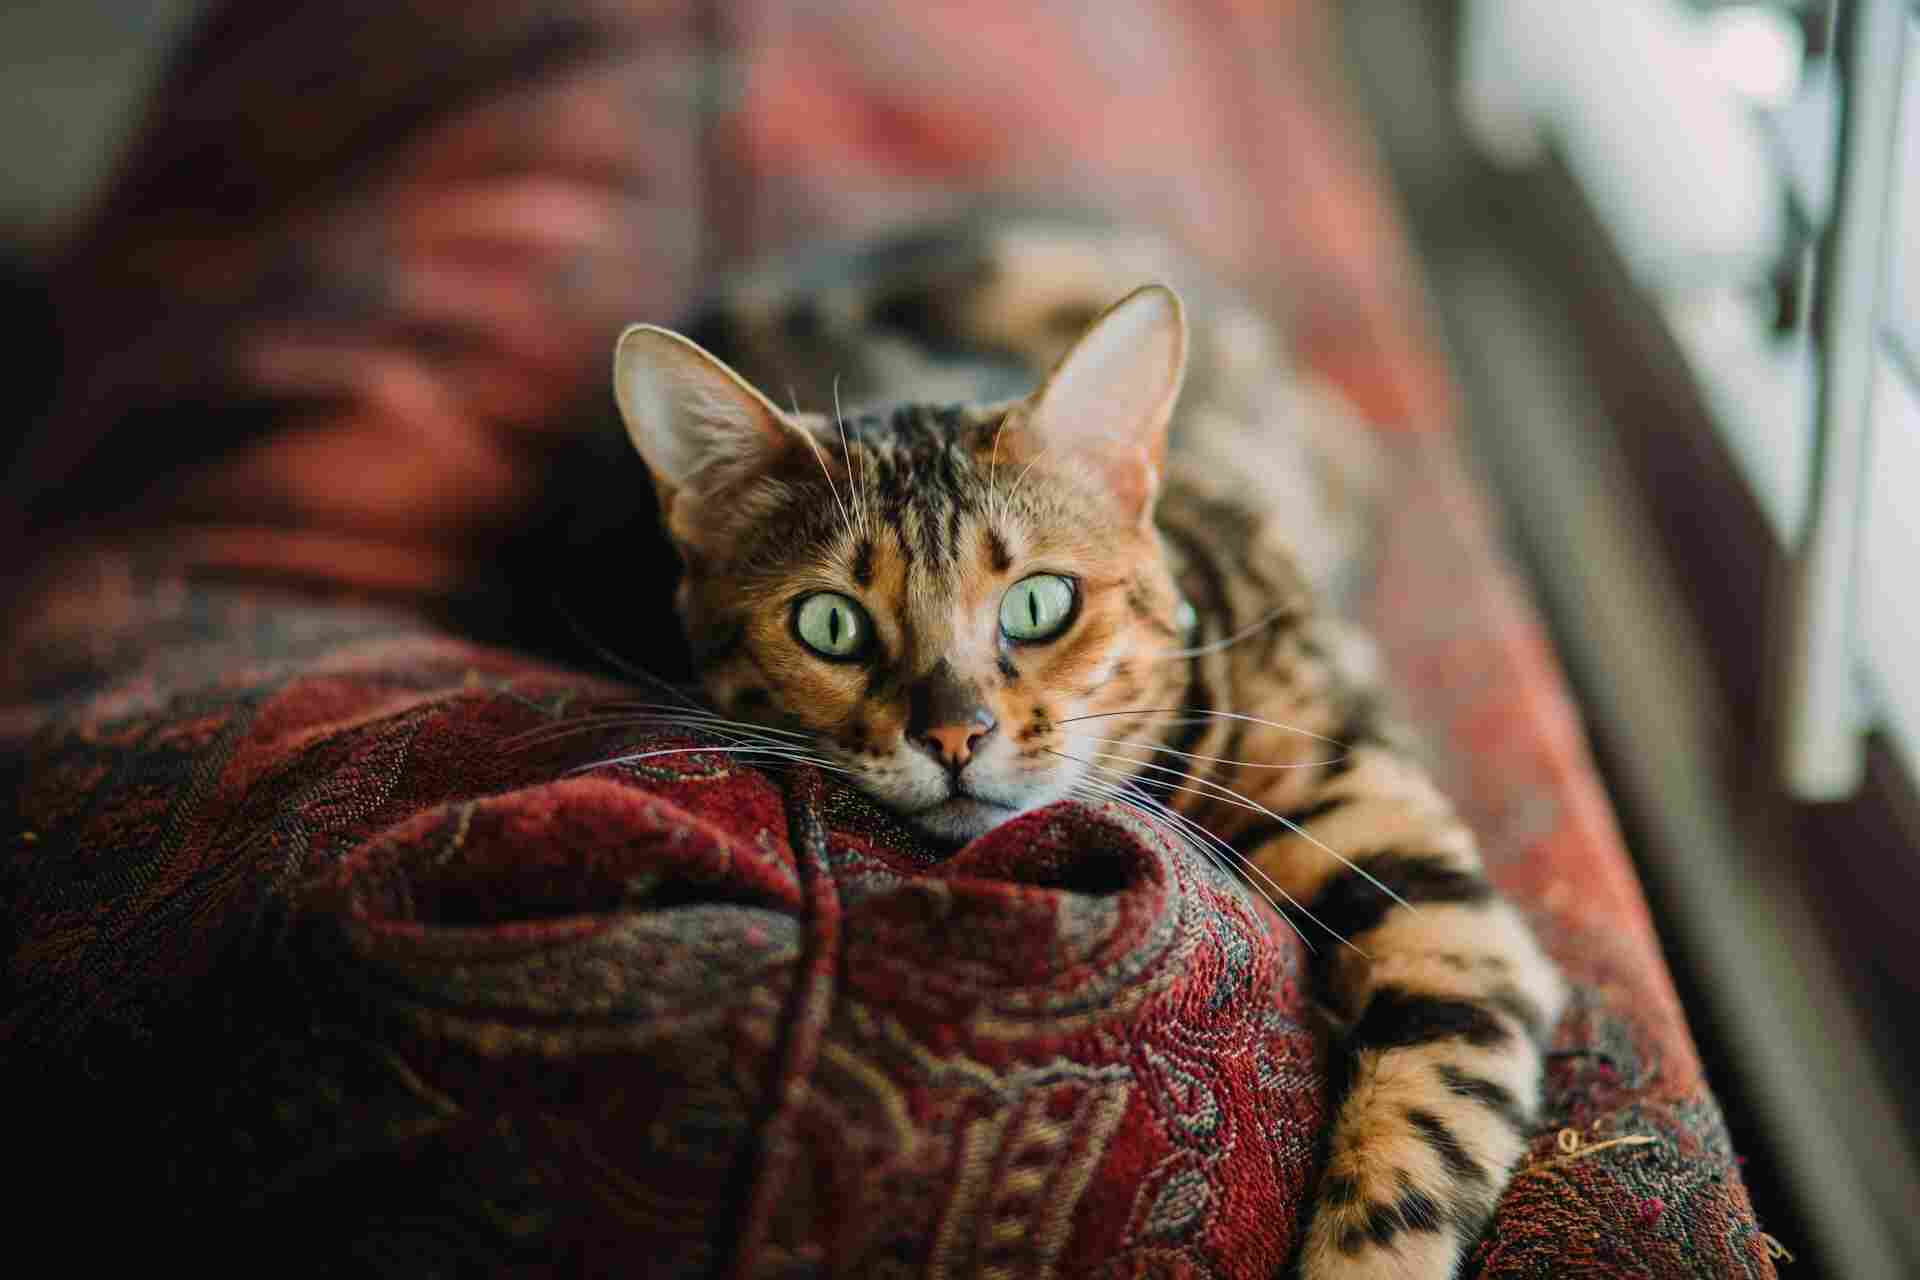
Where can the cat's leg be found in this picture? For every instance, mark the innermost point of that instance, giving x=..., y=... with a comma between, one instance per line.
x=1446, y=1017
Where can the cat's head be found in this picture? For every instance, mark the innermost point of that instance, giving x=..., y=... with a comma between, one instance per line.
x=953, y=602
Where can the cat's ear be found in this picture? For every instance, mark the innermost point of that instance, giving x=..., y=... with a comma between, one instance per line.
x=1107, y=403
x=699, y=426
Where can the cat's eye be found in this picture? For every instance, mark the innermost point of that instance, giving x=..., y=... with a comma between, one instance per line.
x=1037, y=608
x=832, y=625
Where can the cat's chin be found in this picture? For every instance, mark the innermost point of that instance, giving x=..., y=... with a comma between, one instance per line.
x=961, y=818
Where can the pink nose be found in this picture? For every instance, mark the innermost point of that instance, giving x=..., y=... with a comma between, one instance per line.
x=953, y=744
x=947, y=716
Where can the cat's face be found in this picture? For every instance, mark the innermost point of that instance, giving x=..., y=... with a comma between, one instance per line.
x=954, y=604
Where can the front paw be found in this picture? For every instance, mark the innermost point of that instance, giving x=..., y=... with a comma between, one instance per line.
x=1407, y=1237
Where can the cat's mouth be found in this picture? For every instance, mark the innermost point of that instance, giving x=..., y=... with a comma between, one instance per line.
x=961, y=817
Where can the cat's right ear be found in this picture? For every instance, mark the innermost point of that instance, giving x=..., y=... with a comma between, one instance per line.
x=700, y=427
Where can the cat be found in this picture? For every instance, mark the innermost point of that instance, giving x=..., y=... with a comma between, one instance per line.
x=986, y=597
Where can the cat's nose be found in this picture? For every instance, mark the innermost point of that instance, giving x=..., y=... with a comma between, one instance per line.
x=947, y=717
x=953, y=744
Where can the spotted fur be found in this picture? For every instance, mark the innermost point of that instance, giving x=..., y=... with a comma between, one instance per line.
x=1207, y=552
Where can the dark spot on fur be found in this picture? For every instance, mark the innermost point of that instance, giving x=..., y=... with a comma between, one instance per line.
x=1521, y=1007
x=1418, y=1211
x=1142, y=608
x=1435, y=1133
x=1336, y=1190
x=1413, y=1211
x=1007, y=669
x=998, y=557
x=1491, y=1094
x=1318, y=809
x=863, y=563
x=752, y=698
x=1352, y=905
x=1396, y=1018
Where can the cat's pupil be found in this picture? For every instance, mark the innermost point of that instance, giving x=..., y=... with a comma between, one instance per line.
x=833, y=627
x=1033, y=606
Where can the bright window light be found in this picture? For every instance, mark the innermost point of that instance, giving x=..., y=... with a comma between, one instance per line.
x=1756, y=50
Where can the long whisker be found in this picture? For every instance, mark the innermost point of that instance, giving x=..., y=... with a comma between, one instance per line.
x=1180, y=826
x=618, y=663
x=1218, y=792
x=789, y=756
x=993, y=470
x=1189, y=755
x=1160, y=815
x=541, y=735
x=1232, y=862
x=820, y=458
x=1235, y=860
x=703, y=716
x=857, y=491
x=1014, y=492
x=1205, y=715
x=1226, y=642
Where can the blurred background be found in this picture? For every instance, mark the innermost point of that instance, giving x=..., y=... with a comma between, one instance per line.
x=1672, y=247
x=1669, y=247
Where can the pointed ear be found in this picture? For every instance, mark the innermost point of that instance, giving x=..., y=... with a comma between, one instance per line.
x=699, y=426
x=1107, y=403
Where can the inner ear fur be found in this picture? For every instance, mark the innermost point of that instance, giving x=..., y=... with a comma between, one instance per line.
x=1107, y=404
x=700, y=427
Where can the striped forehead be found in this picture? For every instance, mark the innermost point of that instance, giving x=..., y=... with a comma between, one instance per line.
x=919, y=489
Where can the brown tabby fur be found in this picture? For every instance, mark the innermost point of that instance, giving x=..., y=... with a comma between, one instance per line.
x=927, y=514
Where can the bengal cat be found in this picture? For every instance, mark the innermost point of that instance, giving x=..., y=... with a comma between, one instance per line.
x=979, y=600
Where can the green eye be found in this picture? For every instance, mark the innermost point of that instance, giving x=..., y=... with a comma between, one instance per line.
x=1037, y=608
x=831, y=625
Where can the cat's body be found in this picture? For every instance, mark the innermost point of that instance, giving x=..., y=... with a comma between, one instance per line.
x=977, y=603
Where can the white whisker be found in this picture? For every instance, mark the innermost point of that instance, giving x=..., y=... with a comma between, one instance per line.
x=1200, y=715
x=993, y=470
x=1189, y=755
x=1217, y=792
x=1014, y=492
x=615, y=661
x=1231, y=863
x=769, y=753
x=735, y=731
x=705, y=717
x=820, y=458
x=1215, y=646
x=858, y=491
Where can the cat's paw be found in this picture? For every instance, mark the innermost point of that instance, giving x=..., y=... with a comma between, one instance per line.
x=1351, y=1250
x=1382, y=1226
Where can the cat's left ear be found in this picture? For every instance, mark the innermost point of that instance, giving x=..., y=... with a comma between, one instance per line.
x=1107, y=403
x=701, y=428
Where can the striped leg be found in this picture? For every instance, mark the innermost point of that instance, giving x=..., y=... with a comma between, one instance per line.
x=1446, y=1018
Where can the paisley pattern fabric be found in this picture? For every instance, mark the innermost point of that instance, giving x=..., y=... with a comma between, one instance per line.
x=312, y=905
x=331, y=918
x=320, y=956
